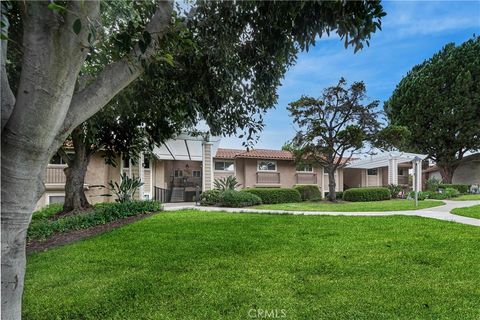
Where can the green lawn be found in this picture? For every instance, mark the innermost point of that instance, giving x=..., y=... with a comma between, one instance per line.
x=387, y=205
x=200, y=265
x=467, y=197
x=473, y=212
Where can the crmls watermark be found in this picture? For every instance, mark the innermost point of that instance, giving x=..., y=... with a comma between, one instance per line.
x=267, y=313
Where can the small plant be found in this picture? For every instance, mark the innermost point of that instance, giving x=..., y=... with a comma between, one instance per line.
x=125, y=191
x=394, y=190
x=210, y=197
x=451, y=193
x=432, y=184
x=309, y=192
x=226, y=183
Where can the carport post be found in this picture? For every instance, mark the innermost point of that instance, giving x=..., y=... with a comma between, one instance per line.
x=416, y=163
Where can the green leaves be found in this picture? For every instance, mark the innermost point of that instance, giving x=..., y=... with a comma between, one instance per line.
x=57, y=8
x=77, y=26
x=438, y=101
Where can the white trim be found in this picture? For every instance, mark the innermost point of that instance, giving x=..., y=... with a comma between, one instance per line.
x=53, y=194
x=274, y=161
x=313, y=170
x=223, y=171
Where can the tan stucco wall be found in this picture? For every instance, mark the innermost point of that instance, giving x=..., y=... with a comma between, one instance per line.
x=98, y=173
x=467, y=173
x=353, y=178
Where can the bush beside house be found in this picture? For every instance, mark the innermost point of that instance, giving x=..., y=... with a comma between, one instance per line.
x=275, y=195
x=237, y=199
x=366, y=194
x=42, y=227
x=462, y=188
x=309, y=192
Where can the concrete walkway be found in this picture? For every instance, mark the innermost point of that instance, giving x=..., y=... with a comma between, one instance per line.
x=439, y=213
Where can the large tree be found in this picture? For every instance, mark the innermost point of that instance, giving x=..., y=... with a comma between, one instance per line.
x=439, y=102
x=333, y=127
x=58, y=37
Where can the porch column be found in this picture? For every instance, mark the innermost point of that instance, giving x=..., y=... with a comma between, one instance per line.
x=392, y=171
x=418, y=177
x=207, y=166
x=141, y=174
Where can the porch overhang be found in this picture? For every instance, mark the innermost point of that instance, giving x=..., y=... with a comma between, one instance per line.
x=382, y=160
x=184, y=147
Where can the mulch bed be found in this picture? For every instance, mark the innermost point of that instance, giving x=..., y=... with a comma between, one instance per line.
x=60, y=239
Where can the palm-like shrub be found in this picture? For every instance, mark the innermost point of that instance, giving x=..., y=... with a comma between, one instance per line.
x=226, y=183
x=394, y=189
x=125, y=191
x=432, y=184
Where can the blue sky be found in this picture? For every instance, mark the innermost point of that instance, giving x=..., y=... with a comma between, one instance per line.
x=412, y=32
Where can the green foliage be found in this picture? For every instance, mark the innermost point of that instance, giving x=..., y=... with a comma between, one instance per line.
x=275, y=195
x=366, y=194
x=438, y=101
x=127, y=188
x=334, y=126
x=210, y=197
x=338, y=194
x=309, y=192
x=396, y=267
x=392, y=137
x=451, y=192
x=432, y=184
x=47, y=211
x=226, y=183
x=462, y=188
x=42, y=228
x=394, y=190
x=237, y=199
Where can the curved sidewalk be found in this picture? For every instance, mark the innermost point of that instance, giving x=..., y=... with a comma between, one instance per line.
x=439, y=213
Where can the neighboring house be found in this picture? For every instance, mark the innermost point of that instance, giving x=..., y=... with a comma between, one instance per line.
x=182, y=166
x=468, y=171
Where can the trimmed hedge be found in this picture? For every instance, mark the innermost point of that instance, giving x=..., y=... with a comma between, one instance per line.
x=462, y=188
x=102, y=213
x=210, y=197
x=309, y=192
x=237, y=199
x=366, y=194
x=275, y=195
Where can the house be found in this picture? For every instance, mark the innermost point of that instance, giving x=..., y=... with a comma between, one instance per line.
x=183, y=166
x=467, y=172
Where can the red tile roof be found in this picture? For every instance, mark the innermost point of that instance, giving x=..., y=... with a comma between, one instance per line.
x=256, y=154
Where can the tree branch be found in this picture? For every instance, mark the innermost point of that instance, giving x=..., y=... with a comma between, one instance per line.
x=64, y=156
x=8, y=99
x=116, y=76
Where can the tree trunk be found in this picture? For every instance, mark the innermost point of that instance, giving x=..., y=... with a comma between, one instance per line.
x=75, y=199
x=447, y=172
x=22, y=176
x=332, y=195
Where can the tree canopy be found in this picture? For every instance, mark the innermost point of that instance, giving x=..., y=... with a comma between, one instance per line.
x=333, y=127
x=439, y=102
x=244, y=49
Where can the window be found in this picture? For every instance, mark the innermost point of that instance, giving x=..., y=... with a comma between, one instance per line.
x=56, y=199
x=196, y=173
x=178, y=173
x=126, y=163
x=266, y=165
x=304, y=168
x=401, y=171
x=56, y=159
x=372, y=172
x=224, y=166
x=146, y=163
